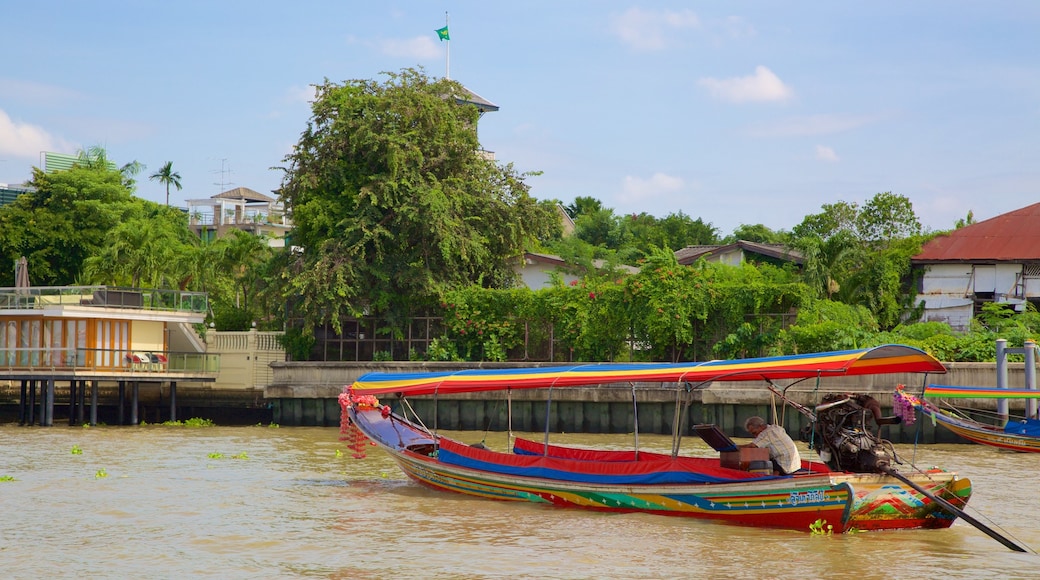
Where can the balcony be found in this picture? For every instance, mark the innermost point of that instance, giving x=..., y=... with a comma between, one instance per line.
x=41, y=297
x=111, y=363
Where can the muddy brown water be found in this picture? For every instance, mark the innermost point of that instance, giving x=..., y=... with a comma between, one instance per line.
x=261, y=502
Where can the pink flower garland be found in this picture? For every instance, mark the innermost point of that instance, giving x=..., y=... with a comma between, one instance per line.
x=348, y=430
x=903, y=406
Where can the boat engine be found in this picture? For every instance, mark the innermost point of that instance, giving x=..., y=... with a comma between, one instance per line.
x=841, y=436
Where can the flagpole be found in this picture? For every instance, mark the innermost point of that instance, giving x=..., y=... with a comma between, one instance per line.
x=447, y=57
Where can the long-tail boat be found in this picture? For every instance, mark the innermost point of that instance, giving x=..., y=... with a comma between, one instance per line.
x=1014, y=434
x=857, y=488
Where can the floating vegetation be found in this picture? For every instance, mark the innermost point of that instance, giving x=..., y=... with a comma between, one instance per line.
x=217, y=455
x=821, y=528
x=76, y=450
x=339, y=454
x=193, y=422
x=100, y=473
x=7, y=478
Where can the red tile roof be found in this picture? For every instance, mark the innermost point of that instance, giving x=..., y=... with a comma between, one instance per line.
x=1009, y=237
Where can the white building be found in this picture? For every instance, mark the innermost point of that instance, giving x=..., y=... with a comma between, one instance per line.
x=996, y=260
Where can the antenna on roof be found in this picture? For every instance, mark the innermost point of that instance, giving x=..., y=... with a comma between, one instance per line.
x=225, y=170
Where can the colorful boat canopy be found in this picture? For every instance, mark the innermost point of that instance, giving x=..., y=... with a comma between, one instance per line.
x=886, y=359
x=949, y=392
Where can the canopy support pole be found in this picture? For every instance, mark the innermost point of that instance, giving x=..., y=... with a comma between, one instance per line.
x=675, y=424
x=509, y=417
x=635, y=420
x=548, y=416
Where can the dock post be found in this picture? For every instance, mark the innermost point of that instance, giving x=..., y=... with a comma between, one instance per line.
x=93, y=403
x=1002, y=379
x=173, y=400
x=82, y=401
x=42, y=411
x=72, y=402
x=135, y=390
x=1030, y=352
x=122, y=401
x=49, y=411
x=32, y=403
x=23, y=403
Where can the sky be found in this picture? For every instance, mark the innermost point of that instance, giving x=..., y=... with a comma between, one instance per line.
x=732, y=112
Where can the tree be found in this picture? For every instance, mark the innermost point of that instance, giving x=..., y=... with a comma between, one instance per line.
x=96, y=157
x=862, y=255
x=167, y=176
x=965, y=221
x=757, y=233
x=886, y=217
x=393, y=202
x=834, y=218
x=143, y=251
x=680, y=231
x=583, y=205
x=600, y=228
x=65, y=220
x=243, y=254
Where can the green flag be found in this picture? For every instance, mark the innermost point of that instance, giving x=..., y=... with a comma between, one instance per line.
x=442, y=33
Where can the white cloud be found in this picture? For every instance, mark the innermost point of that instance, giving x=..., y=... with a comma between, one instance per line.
x=651, y=30
x=815, y=125
x=636, y=189
x=764, y=85
x=824, y=153
x=419, y=47
x=25, y=140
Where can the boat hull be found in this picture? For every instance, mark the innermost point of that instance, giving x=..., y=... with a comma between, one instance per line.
x=987, y=435
x=843, y=500
x=775, y=504
x=884, y=503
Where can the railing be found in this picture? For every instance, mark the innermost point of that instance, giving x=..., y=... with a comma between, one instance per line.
x=245, y=341
x=38, y=297
x=38, y=359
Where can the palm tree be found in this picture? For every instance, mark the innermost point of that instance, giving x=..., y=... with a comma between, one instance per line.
x=168, y=177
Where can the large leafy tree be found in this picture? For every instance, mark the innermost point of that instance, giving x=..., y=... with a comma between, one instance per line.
x=394, y=202
x=65, y=220
x=861, y=255
x=143, y=251
x=888, y=216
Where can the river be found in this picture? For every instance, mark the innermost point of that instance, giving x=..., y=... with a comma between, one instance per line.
x=263, y=502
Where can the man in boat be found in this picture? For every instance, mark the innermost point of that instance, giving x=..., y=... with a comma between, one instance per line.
x=782, y=450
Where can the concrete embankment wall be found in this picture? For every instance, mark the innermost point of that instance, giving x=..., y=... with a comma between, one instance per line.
x=306, y=394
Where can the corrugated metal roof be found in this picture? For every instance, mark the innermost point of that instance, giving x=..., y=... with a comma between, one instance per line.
x=1009, y=237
